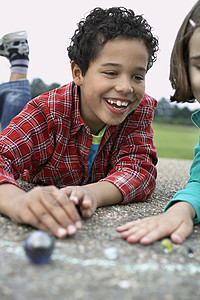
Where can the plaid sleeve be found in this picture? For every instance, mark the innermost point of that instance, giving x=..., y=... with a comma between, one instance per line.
x=134, y=165
x=26, y=143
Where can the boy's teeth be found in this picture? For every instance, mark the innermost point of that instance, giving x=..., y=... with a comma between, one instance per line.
x=118, y=103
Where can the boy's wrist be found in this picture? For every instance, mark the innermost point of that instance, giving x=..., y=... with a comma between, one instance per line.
x=9, y=193
x=105, y=193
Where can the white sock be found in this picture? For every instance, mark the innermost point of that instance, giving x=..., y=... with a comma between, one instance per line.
x=19, y=63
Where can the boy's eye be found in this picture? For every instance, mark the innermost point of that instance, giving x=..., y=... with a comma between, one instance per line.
x=110, y=73
x=138, y=77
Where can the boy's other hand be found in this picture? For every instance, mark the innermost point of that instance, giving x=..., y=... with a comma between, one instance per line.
x=82, y=197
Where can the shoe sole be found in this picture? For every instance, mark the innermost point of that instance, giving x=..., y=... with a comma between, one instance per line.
x=15, y=36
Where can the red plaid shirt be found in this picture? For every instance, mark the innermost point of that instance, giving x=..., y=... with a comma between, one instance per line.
x=48, y=143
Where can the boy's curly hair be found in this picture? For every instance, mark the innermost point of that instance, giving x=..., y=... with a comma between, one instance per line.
x=102, y=25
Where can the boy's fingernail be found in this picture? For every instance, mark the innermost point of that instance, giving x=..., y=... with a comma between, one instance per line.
x=74, y=199
x=88, y=213
x=61, y=232
x=71, y=229
x=120, y=226
x=78, y=225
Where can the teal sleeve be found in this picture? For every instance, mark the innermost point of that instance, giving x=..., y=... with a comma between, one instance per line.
x=191, y=193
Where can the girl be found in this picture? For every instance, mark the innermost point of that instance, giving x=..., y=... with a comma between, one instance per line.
x=183, y=211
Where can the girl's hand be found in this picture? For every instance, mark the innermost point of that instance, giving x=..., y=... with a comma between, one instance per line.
x=48, y=209
x=176, y=222
x=82, y=197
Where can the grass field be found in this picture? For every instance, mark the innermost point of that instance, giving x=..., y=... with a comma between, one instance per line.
x=175, y=141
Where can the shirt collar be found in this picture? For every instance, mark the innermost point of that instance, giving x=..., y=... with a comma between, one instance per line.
x=196, y=118
x=75, y=99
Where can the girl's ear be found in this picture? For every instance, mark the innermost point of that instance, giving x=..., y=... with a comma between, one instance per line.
x=76, y=74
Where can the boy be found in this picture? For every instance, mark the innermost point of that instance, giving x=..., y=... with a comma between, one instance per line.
x=93, y=135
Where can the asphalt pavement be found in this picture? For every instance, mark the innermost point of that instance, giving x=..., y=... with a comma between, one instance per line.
x=97, y=264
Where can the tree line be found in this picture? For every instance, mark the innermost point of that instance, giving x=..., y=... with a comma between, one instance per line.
x=166, y=112
x=38, y=87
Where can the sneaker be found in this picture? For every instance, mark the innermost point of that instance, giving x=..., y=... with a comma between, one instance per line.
x=14, y=42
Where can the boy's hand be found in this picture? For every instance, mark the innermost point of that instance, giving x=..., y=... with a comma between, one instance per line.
x=82, y=197
x=176, y=222
x=48, y=209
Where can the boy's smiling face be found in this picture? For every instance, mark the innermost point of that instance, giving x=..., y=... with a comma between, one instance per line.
x=114, y=83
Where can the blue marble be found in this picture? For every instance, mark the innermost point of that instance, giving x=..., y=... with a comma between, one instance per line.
x=39, y=246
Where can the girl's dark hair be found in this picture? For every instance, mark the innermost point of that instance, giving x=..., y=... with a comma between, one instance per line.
x=179, y=63
x=102, y=25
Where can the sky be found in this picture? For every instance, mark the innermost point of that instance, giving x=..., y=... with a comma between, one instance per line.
x=51, y=24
